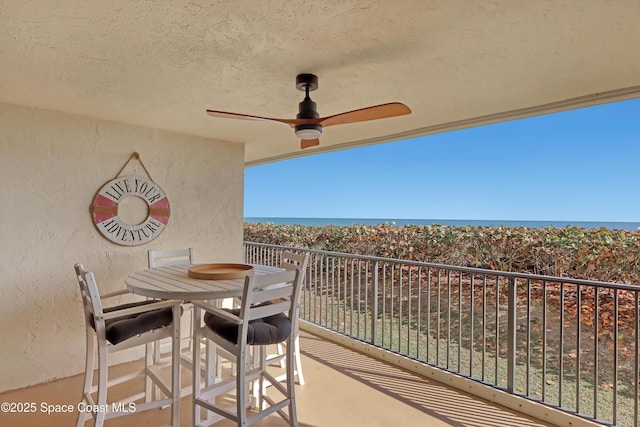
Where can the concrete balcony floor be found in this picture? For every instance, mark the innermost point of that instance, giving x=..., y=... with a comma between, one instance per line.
x=343, y=388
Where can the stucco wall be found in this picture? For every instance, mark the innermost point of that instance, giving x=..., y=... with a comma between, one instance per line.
x=51, y=165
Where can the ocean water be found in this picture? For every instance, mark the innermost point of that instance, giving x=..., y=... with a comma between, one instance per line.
x=452, y=222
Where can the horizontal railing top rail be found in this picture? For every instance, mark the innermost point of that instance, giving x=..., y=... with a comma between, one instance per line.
x=485, y=271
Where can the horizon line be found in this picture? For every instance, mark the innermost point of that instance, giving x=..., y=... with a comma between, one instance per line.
x=440, y=219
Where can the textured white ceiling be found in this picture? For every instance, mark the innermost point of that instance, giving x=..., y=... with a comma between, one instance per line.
x=455, y=63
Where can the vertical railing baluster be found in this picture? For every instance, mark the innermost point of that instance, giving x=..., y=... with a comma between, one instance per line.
x=448, y=317
x=348, y=300
x=374, y=304
x=383, y=316
x=338, y=297
x=409, y=317
x=636, y=377
x=438, y=311
x=317, y=287
x=428, y=320
x=351, y=298
x=324, y=314
x=528, y=344
x=459, y=321
x=615, y=355
x=496, y=367
x=473, y=320
x=578, y=355
x=345, y=318
x=303, y=294
x=544, y=340
x=512, y=300
x=392, y=305
x=484, y=326
x=367, y=266
x=332, y=298
x=323, y=291
x=400, y=307
x=307, y=287
x=331, y=291
x=419, y=314
x=596, y=356
x=561, y=345
x=346, y=313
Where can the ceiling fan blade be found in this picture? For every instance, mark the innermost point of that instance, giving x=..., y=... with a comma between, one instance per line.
x=306, y=143
x=227, y=115
x=382, y=111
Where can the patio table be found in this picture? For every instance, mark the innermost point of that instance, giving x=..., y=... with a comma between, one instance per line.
x=174, y=283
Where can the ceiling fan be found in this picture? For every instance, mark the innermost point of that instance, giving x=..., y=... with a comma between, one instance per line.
x=308, y=124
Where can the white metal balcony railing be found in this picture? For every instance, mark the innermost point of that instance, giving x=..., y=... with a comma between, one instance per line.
x=568, y=344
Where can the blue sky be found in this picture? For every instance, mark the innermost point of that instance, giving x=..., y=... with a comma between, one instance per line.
x=579, y=165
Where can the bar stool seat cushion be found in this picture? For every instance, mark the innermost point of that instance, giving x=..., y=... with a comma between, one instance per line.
x=269, y=330
x=122, y=328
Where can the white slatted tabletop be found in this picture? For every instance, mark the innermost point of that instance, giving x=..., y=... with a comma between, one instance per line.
x=173, y=282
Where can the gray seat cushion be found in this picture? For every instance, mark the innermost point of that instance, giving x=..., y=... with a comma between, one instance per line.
x=122, y=328
x=269, y=330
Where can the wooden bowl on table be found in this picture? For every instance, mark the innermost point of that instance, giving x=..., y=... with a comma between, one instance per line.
x=220, y=271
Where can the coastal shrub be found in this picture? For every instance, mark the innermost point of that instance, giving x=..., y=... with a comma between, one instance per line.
x=594, y=254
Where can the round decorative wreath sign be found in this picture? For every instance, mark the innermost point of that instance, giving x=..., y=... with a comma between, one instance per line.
x=104, y=210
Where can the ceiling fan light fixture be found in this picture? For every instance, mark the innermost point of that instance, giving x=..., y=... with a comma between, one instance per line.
x=308, y=131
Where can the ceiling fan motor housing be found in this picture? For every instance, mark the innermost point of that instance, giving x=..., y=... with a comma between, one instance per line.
x=307, y=109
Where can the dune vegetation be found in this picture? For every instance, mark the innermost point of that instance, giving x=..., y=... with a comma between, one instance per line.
x=592, y=254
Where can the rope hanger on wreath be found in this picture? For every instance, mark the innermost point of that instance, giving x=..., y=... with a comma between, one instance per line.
x=134, y=156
